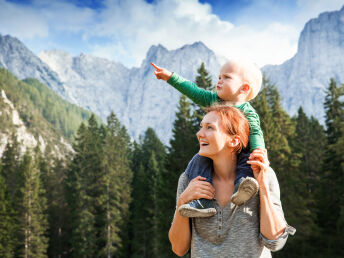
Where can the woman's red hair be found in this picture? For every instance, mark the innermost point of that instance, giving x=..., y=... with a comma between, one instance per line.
x=234, y=122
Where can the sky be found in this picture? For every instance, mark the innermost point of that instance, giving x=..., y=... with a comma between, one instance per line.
x=264, y=31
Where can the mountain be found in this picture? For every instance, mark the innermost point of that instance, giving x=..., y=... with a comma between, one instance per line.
x=135, y=95
x=303, y=79
x=94, y=83
x=141, y=101
x=37, y=115
x=20, y=61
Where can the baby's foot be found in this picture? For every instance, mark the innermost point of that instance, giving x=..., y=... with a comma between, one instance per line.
x=198, y=208
x=248, y=187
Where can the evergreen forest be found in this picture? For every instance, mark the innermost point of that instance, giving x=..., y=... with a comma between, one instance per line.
x=114, y=197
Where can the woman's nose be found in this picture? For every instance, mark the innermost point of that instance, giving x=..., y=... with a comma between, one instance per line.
x=200, y=133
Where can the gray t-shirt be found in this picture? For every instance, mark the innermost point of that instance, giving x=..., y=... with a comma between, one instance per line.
x=234, y=230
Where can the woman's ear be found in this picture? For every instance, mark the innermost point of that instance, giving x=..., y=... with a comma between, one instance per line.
x=234, y=141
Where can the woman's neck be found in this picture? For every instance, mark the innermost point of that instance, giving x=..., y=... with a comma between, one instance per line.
x=224, y=166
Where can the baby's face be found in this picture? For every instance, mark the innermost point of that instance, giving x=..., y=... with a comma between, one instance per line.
x=230, y=82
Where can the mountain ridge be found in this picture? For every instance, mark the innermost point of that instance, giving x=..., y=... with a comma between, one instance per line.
x=141, y=101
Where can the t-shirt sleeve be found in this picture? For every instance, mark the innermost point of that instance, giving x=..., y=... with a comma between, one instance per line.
x=197, y=95
x=256, y=133
x=276, y=244
x=182, y=184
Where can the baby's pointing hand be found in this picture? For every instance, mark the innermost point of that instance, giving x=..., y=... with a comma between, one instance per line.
x=161, y=73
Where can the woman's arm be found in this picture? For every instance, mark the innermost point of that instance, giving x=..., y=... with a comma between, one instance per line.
x=272, y=224
x=180, y=232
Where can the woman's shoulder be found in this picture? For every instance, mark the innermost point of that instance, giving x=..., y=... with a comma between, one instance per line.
x=273, y=182
x=272, y=177
x=183, y=179
x=271, y=174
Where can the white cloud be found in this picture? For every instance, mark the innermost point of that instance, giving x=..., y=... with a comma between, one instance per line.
x=63, y=16
x=22, y=22
x=131, y=27
x=173, y=23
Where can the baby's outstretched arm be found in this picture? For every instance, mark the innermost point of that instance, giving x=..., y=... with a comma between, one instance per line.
x=198, y=95
x=161, y=73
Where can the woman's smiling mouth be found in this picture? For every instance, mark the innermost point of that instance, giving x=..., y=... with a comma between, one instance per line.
x=203, y=143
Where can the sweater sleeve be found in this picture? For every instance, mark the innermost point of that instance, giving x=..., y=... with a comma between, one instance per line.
x=256, y=133
x=197, y=95
x=276, y=244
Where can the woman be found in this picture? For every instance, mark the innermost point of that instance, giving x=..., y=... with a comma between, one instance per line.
x=249, y=230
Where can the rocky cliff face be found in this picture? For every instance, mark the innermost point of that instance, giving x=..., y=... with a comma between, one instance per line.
x=20, y=61
x=9, y=115
x=135, y=95
x=303, y=79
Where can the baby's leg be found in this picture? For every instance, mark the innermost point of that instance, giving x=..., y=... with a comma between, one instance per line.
x=199, y=166
x=243, y=169
x=245, y=185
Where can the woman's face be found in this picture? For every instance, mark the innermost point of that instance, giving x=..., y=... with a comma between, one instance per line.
x=212, y=137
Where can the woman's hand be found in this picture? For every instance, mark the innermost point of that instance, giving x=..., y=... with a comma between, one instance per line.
x=198, y=188
x=259, y=163
x=161, y=73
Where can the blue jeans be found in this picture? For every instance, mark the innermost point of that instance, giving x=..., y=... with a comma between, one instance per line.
x=203, y=166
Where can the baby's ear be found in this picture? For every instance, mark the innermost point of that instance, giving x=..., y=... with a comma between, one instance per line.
x=246, y=88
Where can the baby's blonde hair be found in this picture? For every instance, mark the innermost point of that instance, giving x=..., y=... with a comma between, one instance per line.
x=250, y=74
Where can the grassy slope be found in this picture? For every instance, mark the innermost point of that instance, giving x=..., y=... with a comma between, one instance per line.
x=42, y=110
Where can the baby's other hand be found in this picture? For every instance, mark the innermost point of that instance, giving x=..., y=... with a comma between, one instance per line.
x=259, y=151
x=161, y=73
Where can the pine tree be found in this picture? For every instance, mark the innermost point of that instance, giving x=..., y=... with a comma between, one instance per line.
x=331, y=191
x=13, y=182
x=148, y=162
x=87, y=192
x=339, y=150
x=183, y=146
x=118, y=188
x=73, y=187
x=34, y=222
x=53, y=172
x=334, y=111
x=203, y=80
x=7, y=243
x=306, y=144
x=98, y=190
x=10, y=160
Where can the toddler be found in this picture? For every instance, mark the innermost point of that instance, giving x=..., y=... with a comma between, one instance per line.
x=239, y=82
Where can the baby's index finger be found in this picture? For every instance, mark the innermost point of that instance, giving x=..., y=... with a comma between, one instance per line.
x=155, y=66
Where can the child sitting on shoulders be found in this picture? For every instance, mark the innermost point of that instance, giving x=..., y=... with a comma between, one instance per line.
x=239, y=82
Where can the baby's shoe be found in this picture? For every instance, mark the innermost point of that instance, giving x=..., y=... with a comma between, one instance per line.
x=244, y=190
x=198, y=208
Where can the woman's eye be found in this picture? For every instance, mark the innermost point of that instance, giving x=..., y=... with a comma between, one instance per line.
x=209, y=127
